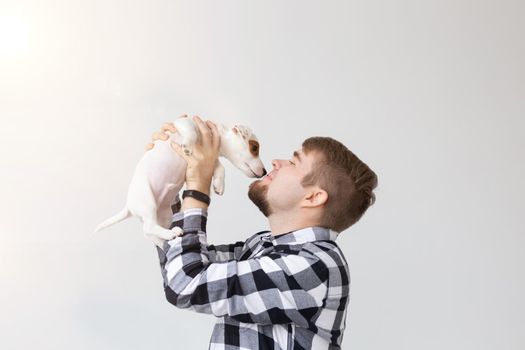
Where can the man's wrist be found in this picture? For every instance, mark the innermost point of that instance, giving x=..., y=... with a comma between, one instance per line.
x=201, y=187
x=190, y=202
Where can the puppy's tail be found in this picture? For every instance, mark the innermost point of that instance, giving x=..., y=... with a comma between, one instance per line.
x=124, y=214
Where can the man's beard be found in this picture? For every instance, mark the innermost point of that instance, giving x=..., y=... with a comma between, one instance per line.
x=257, y=193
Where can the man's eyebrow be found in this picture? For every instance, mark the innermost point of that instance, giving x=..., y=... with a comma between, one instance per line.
x=297, y=155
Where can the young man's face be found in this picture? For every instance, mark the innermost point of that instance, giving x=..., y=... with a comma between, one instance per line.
x=280, y=189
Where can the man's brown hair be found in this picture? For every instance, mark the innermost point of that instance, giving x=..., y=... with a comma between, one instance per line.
x=348, y=181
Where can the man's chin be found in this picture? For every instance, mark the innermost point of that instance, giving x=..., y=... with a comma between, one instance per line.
x=257, y=193
x=256, y=181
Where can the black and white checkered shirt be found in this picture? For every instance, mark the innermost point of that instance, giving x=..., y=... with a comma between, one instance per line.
x=285, y=292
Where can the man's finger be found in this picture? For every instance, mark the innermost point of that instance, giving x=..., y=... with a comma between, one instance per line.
x=159, y=135
x=168, y=127
x=215, y=132
x=149, y=146
x=204, y=130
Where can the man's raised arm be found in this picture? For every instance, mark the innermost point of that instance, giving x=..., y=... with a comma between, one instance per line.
x=217, y=253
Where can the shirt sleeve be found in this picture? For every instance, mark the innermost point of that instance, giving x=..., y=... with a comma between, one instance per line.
x=284, y=286
x=225, y=252
x=217, y=253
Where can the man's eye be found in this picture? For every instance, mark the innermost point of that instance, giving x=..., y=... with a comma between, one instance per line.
x=291, y=162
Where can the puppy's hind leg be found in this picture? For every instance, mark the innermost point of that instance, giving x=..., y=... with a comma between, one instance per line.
x=152, y=228
x=147, y=208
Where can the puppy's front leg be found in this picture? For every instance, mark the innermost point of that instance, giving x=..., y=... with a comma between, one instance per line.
x=218, y=178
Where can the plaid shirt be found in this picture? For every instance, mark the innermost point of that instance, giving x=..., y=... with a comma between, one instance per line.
x=285, y=292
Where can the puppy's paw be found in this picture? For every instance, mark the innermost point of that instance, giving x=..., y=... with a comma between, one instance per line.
x=219, y=191
x=177, y=232
x=218, y=187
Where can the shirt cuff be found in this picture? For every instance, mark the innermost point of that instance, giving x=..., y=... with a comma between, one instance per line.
x=192, y=219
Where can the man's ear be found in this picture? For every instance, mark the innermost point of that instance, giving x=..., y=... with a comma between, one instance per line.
x=316, y=197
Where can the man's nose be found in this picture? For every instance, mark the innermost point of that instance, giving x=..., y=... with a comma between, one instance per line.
x=276, y=164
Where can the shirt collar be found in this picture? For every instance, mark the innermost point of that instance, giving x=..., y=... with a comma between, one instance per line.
x=303, y=235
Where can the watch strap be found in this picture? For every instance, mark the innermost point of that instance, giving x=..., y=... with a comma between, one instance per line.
x=203, y=197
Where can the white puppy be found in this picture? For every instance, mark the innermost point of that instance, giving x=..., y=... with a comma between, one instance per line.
x=160, y=175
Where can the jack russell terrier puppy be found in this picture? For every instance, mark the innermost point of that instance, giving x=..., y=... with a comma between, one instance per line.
x=160, y=175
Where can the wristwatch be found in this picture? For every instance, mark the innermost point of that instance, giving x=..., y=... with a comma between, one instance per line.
x=203, y=197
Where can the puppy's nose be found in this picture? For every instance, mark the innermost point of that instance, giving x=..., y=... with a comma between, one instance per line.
x=264, y=172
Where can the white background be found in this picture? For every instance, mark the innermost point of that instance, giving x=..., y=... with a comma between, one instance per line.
x=430, y=94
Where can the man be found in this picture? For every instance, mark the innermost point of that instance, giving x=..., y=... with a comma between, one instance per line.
x=286, y=288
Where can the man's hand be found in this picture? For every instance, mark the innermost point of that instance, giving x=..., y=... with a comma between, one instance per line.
x=201, y=163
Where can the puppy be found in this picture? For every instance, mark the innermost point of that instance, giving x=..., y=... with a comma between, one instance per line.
x=160, y=175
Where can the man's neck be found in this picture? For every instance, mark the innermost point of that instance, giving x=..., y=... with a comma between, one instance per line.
x=287, y=222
